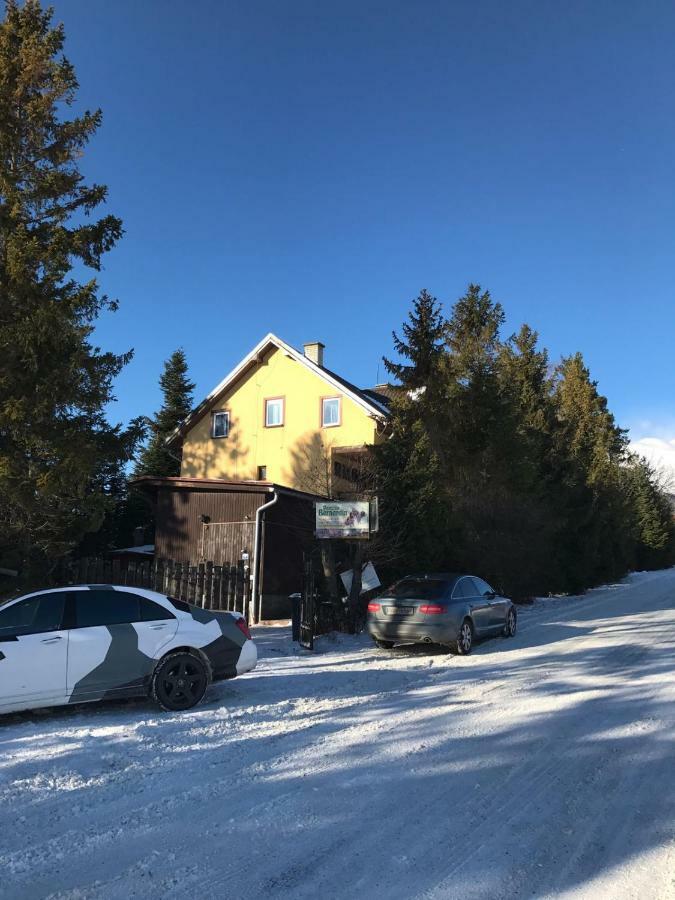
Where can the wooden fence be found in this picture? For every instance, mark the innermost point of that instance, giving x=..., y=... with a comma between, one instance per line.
x=210, y=586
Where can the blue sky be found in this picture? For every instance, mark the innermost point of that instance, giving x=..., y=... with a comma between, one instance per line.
x=306, y=168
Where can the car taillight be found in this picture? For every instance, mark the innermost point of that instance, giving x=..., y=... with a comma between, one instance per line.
x=243, y=627
x=373, y=607
x=432, y=609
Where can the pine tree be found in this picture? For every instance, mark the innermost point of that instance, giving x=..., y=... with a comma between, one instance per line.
x=534, y=511
x=654, y=526
x=491, y=474
x=408, y=467
x=591, y=433
x=156, y=458
x=478, y=411
x=599, y=542
x=497, y=465
x=55, y=443
x=134, y=509
x=422, y=344
x=525, y=374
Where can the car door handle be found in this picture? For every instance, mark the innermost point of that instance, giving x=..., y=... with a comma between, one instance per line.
x=51, y=640
x=157, y=627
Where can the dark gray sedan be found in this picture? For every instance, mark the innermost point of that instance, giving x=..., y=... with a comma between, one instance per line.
x=440, y=608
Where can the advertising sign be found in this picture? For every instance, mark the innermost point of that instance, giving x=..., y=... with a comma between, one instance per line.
x=342, y=518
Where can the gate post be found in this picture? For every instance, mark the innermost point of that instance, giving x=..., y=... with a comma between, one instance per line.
x=307, y=613
x=246, y=592
x=208, y=586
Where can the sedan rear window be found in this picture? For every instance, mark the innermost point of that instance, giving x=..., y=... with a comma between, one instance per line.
x=105, y=607
x=419, y=589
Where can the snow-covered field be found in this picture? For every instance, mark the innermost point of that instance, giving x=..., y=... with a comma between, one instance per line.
x=542, y=766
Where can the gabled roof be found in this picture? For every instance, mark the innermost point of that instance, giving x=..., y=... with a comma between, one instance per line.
x=372, y=397
x=372, y=403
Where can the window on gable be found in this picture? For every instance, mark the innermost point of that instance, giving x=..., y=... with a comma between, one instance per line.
x=330, y=411
x=274, y=412
x=220, y=424
x=262, y=473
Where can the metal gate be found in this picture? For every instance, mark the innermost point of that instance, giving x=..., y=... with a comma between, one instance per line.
x=318, y=615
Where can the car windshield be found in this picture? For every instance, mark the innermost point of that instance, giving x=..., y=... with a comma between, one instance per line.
x=419, y=589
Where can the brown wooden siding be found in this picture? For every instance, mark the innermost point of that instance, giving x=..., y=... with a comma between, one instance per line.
x=181, y=535
x=288, y=529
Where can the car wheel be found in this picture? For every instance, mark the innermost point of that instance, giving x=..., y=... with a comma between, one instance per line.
x=464, y=643
x=179, y=682
x=511, y=623
x=384, y=645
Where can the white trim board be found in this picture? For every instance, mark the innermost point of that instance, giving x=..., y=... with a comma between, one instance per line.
x=372, y=408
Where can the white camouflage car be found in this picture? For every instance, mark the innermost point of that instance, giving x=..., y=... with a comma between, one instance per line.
x=94, y=642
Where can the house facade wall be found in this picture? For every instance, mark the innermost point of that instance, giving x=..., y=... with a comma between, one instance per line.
x=296, y=454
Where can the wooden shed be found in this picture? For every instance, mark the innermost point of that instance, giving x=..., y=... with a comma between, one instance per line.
x=219, y=521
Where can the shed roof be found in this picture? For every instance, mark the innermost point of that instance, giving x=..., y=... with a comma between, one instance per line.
x=151, y=483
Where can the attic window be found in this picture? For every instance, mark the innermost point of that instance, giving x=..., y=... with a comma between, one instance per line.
x=330, y=411
x=274, y=412
x=220, y=424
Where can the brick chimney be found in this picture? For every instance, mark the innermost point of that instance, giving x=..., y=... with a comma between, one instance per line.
x=314, y=351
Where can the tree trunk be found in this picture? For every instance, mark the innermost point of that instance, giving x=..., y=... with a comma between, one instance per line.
x=329, y=573
x=357, y=553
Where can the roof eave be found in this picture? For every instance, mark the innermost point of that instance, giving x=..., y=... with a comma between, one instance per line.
x=371, y=407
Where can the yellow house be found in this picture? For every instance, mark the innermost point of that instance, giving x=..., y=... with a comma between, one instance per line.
x=281, y=416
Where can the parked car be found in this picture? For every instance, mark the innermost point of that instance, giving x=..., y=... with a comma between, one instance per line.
x=440, y=608
x=93, y=642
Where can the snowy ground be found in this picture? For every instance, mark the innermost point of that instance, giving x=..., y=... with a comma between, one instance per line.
x=538, y=767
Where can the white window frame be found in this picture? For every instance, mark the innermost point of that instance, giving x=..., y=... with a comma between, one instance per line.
x=325, y=400
x=282, y=406
x=214, y=415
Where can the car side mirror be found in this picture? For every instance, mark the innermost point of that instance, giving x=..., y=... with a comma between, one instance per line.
x=490, y=595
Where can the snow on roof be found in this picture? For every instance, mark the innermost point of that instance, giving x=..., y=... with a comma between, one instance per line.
x=143, y=550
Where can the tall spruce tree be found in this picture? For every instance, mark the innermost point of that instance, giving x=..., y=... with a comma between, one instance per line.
x=55, y=443
x=479, y=421
x=599, y=542
x=591, y=433
x=156, y=458
x=653, y=515
x=134, y=509
x=423, y=337
x=497, y=464
x=490, y=471
x=524, y=370
x=407, y=468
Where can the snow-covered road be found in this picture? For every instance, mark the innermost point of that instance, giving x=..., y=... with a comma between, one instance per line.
x=542, y=766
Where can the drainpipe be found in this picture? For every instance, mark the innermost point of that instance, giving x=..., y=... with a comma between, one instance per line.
x=257, y=601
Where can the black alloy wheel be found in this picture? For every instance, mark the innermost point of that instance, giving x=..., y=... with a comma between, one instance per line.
x=179, y=682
